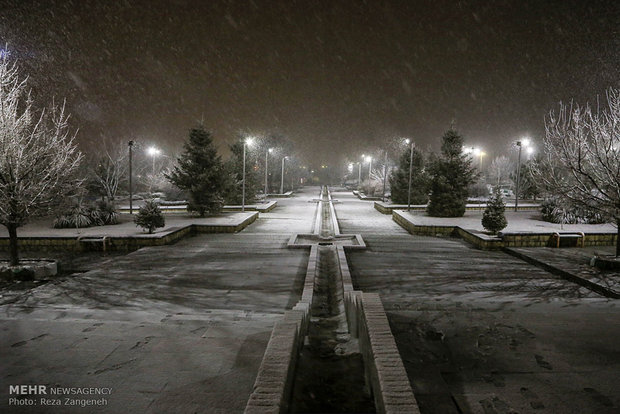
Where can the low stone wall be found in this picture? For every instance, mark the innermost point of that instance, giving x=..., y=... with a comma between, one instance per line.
x=283, y=195
x=274, y=382
x=595, y=287
x=412, y=228
x=481, y=241
x=261, y=208
x=182, y=209
x=127, y=243
x=384, y=368
x=485, y=242
x=44, y=243
x=363, y=196
x=387, y=208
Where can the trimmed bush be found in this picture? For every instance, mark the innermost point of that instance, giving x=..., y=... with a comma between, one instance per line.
x=149, y=217
x=493, y=218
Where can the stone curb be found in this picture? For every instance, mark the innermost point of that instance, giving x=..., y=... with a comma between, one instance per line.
x=595, y=287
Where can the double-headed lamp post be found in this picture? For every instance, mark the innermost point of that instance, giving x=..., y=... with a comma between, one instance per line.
x=270, y=150
x=410, y=141
x=282, y=178
x=525, y=142
x=246, y=142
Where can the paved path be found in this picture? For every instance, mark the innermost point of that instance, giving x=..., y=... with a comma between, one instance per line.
x=483, y=330
x=178, y=328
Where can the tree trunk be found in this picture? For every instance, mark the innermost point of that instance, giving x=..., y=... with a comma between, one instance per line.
x=13, y=255
x=618, y=238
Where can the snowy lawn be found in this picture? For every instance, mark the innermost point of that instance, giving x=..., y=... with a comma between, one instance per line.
x=518, y=222
x=126, y=226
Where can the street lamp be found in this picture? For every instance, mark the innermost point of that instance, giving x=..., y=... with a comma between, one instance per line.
x=369, y=161
x=525, y=142
x=153, y=152
x=282, y=178
x=478, y=152
x=130, y=143
x=267, y=170
x=246, y=142
x=410, y=141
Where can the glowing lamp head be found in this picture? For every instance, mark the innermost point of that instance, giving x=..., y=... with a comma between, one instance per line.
x=407, y=141
x=153, y=152
x=249, y=141
x=530, y=150
x=270, y=150
x=368, y=158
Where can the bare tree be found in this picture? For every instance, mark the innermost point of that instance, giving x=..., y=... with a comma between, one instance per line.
x=582, y=157
x=37, y=155
x=500, y=170
x=108, y=168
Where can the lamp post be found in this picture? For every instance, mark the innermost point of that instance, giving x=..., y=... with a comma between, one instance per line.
x=246, y=142
x=359, y=175
x=410, y=141
x=153, y=152
x=524, y=142
x=282, y=178
x=369, y=161
x=267, y=170
x=384, y=175
x=130, y=144
x=479, y=152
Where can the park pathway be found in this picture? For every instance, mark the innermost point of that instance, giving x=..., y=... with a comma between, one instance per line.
x=172, y=329
x=483, y=332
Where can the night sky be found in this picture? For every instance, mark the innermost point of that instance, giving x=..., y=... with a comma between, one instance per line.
x=336, y=77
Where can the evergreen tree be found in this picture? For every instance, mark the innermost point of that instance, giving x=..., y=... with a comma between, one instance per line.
x=493, y=218
x=399, y=179
x=233, y=190
x=451, y=173
x=199, y=172
x=150, y=217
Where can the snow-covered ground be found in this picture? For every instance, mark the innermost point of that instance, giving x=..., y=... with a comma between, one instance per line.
x=126, y=227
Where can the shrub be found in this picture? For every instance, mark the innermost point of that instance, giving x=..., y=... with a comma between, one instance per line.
x=149, y=217
x=80, y=216
x=555, y=211
x=493, y=218
x=107, y=212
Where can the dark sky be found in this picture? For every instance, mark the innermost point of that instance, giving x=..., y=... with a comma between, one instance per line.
x=337, y=77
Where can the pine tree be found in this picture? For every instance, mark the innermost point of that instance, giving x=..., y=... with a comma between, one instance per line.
x=234, y=175
x=399, y=179
x=199, y=172
x=150, y=217
x=452, y=173
x=493, y=218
